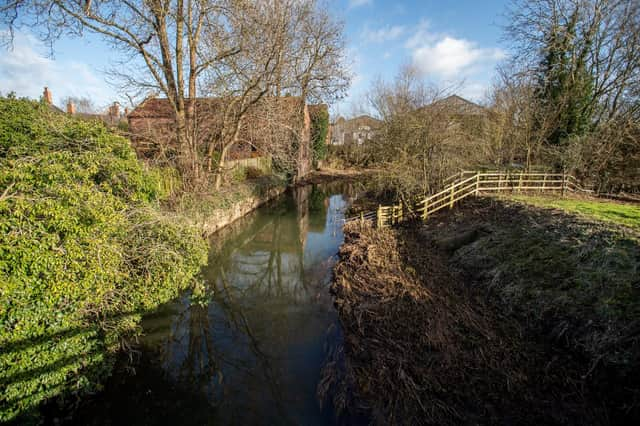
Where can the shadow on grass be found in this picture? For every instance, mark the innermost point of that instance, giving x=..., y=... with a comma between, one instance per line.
x=70, y=360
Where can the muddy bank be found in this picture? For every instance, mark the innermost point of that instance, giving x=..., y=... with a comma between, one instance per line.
x=495, y=314
x=326, y=175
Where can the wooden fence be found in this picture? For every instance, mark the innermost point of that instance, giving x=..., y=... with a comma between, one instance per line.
x=260, y=163
x=467, y=184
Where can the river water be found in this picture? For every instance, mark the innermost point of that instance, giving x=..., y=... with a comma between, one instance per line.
x=254, y=353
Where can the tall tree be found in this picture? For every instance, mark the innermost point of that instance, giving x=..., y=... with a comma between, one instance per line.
x=585, y=55
x=565, y=86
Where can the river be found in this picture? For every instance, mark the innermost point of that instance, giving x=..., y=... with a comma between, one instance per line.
x=253, y=351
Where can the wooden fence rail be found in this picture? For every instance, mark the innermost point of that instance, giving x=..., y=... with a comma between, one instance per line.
x=466, y=184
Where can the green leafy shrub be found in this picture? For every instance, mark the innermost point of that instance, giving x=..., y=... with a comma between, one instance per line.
x=319, y=132
x=84, y=252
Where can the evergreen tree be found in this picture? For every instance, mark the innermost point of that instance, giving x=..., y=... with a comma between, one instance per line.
x=565, y=85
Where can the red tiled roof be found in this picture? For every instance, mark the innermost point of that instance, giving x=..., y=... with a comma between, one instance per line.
x=161, y=107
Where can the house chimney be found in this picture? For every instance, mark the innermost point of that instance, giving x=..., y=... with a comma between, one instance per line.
x=71, y=108
x=47, y=96
x=115, y=110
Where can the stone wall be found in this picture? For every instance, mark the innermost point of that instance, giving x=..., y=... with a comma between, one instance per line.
x=223, y=217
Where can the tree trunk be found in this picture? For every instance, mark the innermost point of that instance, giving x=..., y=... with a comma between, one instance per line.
x=220, y=168
x=223, y=155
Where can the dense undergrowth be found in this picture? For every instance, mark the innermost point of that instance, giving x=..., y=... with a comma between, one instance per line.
x=85, y=250
x=215, y=207
x=199, y=206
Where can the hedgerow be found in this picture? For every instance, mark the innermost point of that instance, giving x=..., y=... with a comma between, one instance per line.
x=84, y=252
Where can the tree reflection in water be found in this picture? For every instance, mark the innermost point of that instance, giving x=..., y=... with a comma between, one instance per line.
x=257, y=349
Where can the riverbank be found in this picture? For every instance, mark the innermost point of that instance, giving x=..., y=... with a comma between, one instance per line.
x=326, y=175
x=212, y=211
x=494, y=312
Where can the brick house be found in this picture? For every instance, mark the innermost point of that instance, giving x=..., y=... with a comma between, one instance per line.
x=269, y=125
x=111, y=118
x=357, y=130
x=460, y=106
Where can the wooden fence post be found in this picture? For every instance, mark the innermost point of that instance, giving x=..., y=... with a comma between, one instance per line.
x=451, y=197
x=520, y=183
x=564, y=183
x=477, y=184
x=379, y=217
x=425, y=213
x=544, y=181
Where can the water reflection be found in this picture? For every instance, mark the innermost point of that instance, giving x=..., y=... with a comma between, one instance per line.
x=256, y=351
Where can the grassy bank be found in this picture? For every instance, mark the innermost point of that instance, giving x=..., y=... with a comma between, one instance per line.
x=495, y=312
x=610, y=211
x=85, y=250
x=573, y=279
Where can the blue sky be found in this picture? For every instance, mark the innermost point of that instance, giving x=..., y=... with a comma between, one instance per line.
x=453, y=42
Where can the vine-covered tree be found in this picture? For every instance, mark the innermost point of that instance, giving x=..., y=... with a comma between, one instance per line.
x=572, y=79
x=564, y=84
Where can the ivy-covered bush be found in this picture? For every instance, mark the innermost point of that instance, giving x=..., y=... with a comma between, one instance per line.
x=84, y=252
x=319, y=132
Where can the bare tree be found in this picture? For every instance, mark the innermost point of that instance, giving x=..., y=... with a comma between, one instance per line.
x=591, y=46
x=238, y=51
x=243, y=80
x=163, y=36
x=287, y=46
x=518, y=124
x=317, y=55
x=424, y=137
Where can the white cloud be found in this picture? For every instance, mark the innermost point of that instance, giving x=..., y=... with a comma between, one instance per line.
x=384, y=34
x=358, y=3
x=453, y=61
x=25, y=70
x=421, y=35
x=449, y=57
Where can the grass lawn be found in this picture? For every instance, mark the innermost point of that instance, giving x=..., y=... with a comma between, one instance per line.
x=610, y=211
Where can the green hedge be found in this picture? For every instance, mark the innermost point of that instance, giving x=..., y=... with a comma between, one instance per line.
x=84, y=252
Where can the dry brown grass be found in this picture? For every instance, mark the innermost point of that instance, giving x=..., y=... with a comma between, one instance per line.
x=433, y=351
